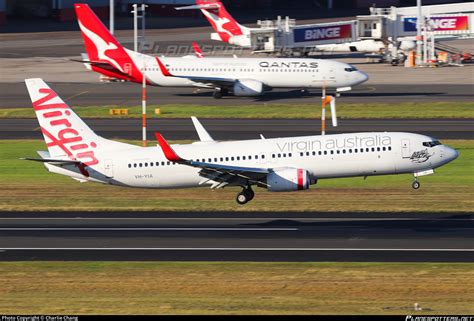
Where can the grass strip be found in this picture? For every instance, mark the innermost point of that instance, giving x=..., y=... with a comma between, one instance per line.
x=369, y=111
x=59, y=288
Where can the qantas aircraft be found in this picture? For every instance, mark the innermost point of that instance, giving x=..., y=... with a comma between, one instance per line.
x=279, y=165
x=230, y=31
x=237, y=76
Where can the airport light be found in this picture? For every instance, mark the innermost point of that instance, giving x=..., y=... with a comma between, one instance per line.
x=135, y=32
x=135, y=48
x=419, y=41
x=144, y=104
x=111, y=16
x=328, y=99
x=135, y=11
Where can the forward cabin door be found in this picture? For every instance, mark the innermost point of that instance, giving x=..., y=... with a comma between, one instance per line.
x=406, y=148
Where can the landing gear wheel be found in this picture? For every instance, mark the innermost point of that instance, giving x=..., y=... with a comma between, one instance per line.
x=415, y=185
x=242, y=198
x=245, y=196
x=217, y=94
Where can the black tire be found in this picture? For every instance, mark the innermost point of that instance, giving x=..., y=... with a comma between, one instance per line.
x=217, y=94
x=242, y=197
x=415, y=185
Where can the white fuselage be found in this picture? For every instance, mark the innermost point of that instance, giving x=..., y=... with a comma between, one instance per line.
x=329, y=156
x=272, y=72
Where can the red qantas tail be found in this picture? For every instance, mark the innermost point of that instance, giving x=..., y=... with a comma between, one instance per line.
x=106, y=54
x=222, y=22
x=197, y=50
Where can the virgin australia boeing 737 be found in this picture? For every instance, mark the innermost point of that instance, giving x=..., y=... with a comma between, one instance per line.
x=280, y=164
x=237, y=76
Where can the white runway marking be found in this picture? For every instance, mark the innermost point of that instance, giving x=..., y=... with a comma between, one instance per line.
x=227, y=249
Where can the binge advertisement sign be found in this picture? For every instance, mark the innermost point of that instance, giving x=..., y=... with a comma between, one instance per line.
x=440, y=23
x=322, y=33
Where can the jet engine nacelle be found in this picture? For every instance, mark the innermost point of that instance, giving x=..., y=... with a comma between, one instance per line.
x=248, y=87
x=407, y=45
x=286, y=180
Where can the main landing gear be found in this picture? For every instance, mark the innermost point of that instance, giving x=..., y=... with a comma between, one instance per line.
x=217, y=94
x=245, y=196
x=415, y=184
x=220, y=92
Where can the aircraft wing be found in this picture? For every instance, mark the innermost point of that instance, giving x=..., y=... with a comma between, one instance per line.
x=210, y=81
x=219, y=174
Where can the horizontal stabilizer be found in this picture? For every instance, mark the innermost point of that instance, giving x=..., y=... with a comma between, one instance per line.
x=105, y=65
x=53, y=161
x=200, y=6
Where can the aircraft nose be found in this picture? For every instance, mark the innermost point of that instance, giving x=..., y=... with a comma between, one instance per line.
x=363, y=77
x=450, y=154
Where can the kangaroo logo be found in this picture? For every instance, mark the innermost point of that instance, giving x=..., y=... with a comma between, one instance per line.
x=219, y=22
x=101, y=45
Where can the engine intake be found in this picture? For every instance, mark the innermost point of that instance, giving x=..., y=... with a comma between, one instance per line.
x=290, y=179
x=248, y=87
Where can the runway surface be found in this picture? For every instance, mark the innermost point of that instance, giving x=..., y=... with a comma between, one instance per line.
x=14, y=95
x=384, y=237
x=234, y=129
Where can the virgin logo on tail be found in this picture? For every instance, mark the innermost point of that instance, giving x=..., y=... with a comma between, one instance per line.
x=101, y=45
x=61, y=133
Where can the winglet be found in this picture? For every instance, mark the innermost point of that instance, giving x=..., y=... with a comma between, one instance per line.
x=163, y=69
x=167, y=150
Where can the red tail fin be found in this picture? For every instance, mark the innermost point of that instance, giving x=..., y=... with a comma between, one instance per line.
x=197, y=50
x=101, y=46
x=220, y=19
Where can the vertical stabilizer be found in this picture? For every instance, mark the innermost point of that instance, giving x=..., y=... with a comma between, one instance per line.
x=65, y=134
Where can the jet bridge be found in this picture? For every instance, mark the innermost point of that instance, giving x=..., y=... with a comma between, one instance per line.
x=284, y=36
x=392, y=28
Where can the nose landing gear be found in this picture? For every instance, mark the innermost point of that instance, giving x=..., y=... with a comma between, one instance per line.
x=415, y=184
x=245, y=196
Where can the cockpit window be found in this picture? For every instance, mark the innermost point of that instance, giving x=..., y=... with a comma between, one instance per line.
x=350, y=69
x=432, y=143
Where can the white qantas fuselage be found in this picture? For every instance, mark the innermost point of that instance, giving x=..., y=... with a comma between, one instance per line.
x=238, y=76
x=271, y=72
